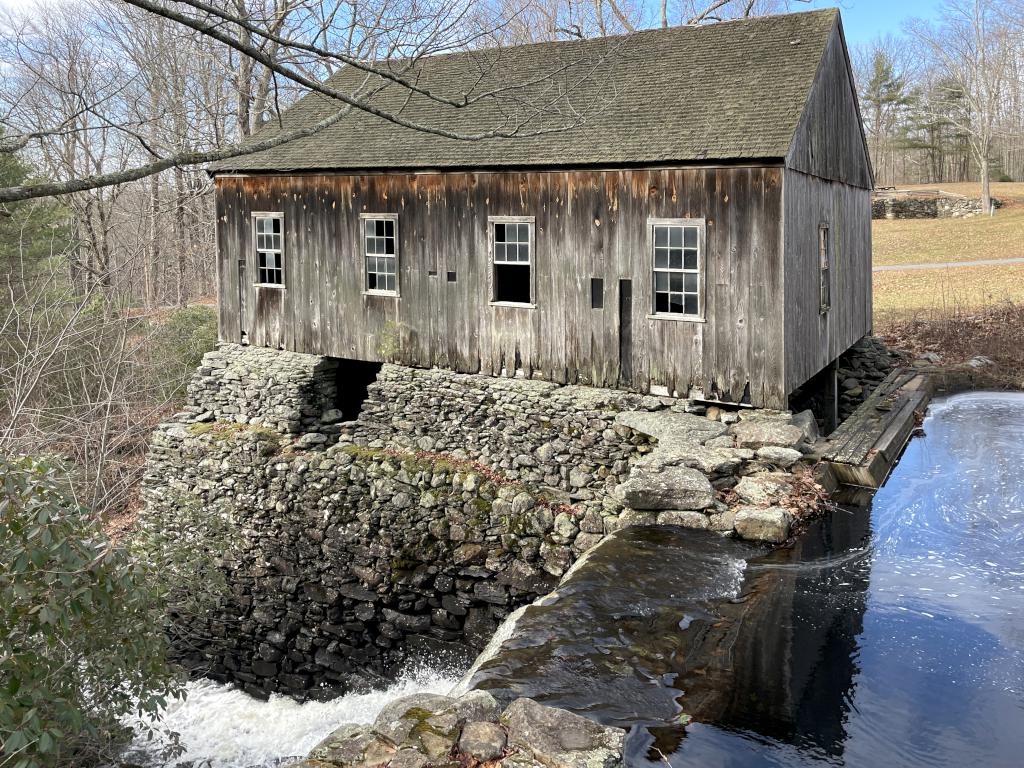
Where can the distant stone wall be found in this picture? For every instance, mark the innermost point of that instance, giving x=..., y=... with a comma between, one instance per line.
x=926, y=207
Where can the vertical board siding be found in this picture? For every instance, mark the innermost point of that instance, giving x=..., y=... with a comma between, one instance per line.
x=587, y=224
x=829, y=142
x=814, y=339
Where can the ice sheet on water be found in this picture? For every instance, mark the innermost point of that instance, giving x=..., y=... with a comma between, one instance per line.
x=222, y=727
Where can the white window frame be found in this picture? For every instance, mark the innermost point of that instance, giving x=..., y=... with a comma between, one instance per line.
x=701, y=271
x=256, y=250
x=531, y=262
x=367, y=291
x=825, y=267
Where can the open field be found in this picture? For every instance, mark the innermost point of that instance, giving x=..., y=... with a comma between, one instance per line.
x=958, y=312
x=946, y=290
x=942, y=291
x=920, y=241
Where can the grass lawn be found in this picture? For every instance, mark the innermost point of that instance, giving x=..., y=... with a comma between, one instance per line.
x=921, y=241
x=946, y=290
x=900, y=294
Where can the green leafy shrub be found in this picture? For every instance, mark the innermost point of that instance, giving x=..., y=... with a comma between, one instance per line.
x=82, y=622
x=178, y=345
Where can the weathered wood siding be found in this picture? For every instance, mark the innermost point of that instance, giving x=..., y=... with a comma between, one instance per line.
x=588, y=224
x=814, y=339
x=829, y=142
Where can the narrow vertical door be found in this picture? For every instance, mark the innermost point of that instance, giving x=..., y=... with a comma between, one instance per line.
x=625, y=333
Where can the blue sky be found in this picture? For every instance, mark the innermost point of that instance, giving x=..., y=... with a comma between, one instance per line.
x=864, y=20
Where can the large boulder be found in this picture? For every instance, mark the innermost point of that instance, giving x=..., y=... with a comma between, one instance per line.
x=667, y=487
x=560, y=739
x=684, y=518
x=482, y=740
x=763, y=489
x=353, y=746
x=760, y=524
x=805, y=421
x=406, y=720
x=709, y=460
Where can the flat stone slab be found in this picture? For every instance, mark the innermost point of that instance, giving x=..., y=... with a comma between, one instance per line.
x=770, y=524
x=759, y=433
x=710, y=461
x=783, y=458
x=681, y=427
x=560, y=739
x=684, y=518
x=666, y=487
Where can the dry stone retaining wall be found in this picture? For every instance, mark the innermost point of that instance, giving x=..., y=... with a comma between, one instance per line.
x=926, y=207
x=450, y=500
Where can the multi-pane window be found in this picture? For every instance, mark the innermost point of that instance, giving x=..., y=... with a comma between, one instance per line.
x=825, y=267
x=513, y=261
x=270, y=249
x=381, y=252
x=677, y=267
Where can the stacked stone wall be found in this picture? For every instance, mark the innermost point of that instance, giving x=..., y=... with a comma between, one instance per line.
x=285, y=391
x=926, y=207
x=451, y=500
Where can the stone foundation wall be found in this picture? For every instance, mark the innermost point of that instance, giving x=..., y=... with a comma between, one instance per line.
x=344, y=552
x=860, y=370
x=286, y=391
x=451, y=500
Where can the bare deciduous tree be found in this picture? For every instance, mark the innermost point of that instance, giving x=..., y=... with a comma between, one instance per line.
x=973, y=50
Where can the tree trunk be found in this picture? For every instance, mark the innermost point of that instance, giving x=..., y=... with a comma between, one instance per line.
x=986, y=187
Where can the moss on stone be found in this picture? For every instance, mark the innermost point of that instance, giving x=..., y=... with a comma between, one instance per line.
x=227, y=429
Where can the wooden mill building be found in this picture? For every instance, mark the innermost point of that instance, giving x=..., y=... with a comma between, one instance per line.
x=683, y=209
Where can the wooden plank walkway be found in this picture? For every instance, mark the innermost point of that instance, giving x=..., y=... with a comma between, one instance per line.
x=864, y=448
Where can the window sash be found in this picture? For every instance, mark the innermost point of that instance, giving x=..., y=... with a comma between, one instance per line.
x=825, y=267
x=379, y=238
x=677, y=266
x=268, y=231
x=511, y=241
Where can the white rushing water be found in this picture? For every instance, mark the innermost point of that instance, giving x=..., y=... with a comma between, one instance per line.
x=222, y=727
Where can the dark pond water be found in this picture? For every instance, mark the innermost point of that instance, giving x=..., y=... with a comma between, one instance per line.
x=891, y=635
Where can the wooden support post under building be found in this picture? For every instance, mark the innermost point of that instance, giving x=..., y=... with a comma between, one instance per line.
x=830, y=396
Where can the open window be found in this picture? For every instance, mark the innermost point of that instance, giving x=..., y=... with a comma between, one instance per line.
x=380, y=253
x=512, y=256
x=677, y=271
x=268, y=229
x=825, y=267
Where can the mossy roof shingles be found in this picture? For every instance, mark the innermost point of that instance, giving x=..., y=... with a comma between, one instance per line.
x=733, y=90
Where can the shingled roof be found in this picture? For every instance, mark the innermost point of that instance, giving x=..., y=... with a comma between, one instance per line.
x=726, y=91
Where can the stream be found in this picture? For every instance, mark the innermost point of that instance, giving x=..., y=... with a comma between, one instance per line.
x=222, y=727
x=891, y=634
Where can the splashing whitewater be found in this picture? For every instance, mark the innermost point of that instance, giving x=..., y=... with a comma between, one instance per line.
x=222, y=727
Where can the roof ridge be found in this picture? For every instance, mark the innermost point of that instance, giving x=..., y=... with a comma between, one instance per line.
x=831, y=11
